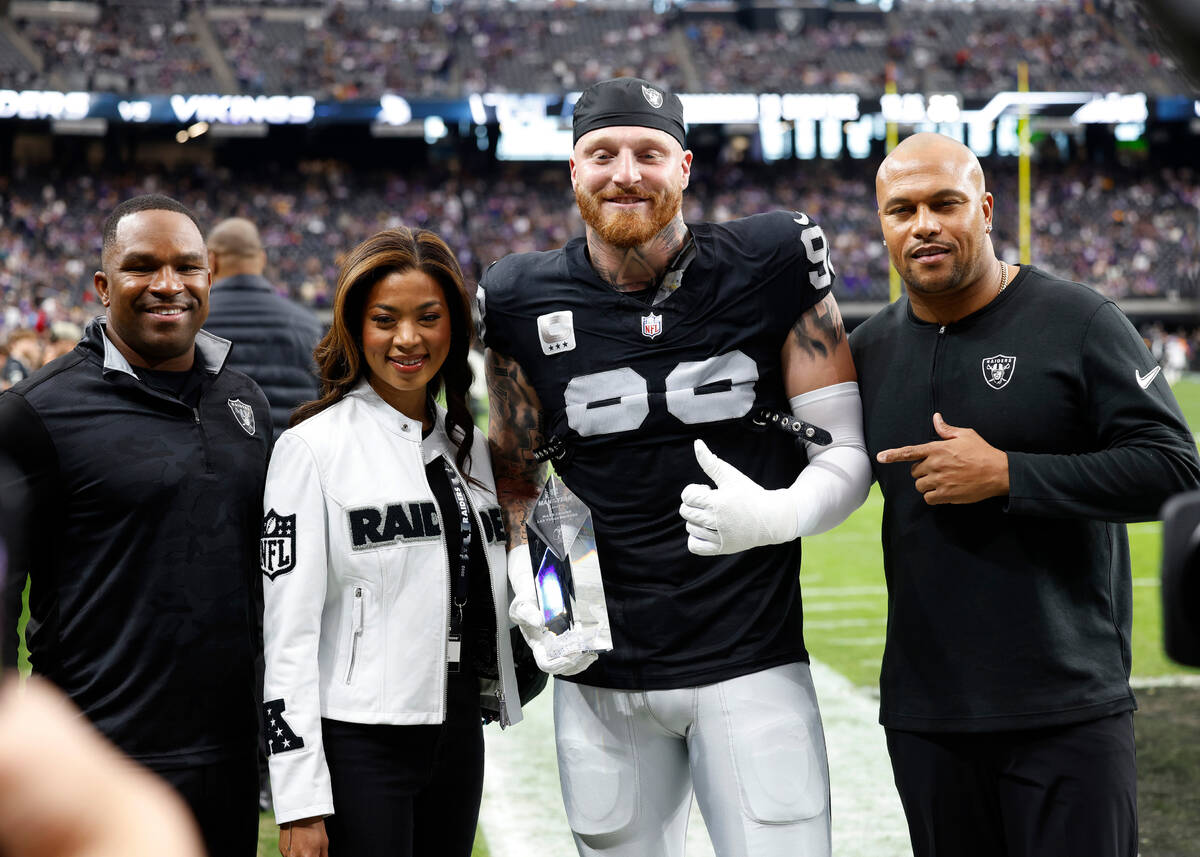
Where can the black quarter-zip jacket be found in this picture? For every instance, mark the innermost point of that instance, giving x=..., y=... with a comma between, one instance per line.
x=1015, y=612
x=141, y=545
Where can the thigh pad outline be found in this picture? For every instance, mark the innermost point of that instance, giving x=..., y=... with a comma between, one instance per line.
x=779, y=762
x=597, y=769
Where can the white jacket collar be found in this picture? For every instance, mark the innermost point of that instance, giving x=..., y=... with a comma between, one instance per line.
x=403, y=425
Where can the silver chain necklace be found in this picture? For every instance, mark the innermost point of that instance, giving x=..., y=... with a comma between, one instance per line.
x=1003, y=276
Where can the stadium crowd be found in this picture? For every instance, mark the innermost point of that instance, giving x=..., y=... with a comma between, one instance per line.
x=362, y=49
x=1131, y=235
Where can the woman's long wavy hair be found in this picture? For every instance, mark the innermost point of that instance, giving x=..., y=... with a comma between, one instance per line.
x=339, y=354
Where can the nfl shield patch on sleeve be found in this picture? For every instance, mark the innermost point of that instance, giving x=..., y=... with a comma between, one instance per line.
x=277, y=547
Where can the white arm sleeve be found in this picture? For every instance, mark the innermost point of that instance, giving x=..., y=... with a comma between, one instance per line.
x=838, y=476
x=739, y=514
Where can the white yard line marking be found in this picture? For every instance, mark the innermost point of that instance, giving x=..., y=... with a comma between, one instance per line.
x=854, y=641
x=840, y=606
x=522, y=812
x=838, y=591
x=829, y=624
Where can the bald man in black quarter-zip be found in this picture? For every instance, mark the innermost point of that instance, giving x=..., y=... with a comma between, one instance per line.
x=1015, y=421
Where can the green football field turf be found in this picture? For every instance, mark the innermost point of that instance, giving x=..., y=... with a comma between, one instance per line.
x=845, y=605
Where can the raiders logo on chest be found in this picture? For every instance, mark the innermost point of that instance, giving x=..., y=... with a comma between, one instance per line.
x=380, y=526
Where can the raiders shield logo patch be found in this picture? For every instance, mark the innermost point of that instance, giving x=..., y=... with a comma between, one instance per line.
x=277, y=547
x=244, y=414
x=653, y=97
x=998, y=370
x=651, y=325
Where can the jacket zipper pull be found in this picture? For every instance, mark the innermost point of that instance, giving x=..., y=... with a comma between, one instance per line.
x=504, y=719
x=942, y=329
x=196, y=415
x=355, y=631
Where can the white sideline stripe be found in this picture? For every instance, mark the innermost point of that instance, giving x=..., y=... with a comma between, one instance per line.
x=522, y=813
x=1186, y=680
x=867, y=818
x=1147, y=581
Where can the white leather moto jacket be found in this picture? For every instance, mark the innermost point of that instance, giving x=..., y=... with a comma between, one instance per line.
x=357, y=587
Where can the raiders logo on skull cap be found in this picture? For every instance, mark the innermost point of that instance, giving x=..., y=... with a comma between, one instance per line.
x=629, y=101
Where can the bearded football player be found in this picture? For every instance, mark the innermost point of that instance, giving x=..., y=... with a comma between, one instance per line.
x=668, y=366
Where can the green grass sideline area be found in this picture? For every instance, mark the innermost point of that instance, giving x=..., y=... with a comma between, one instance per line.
x=845, y=601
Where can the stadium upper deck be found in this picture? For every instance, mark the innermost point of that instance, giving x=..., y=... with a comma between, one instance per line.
x=362, y=49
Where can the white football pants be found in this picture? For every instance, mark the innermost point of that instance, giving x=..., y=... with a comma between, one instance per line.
x=752, y=747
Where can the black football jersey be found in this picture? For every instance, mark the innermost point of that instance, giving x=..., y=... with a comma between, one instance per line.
x=628, y=386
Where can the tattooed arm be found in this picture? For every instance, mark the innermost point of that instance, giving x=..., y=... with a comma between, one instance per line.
x=817, y=352
x=514, y=431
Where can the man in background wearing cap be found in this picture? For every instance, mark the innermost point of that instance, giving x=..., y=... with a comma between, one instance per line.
x=273, y=337
x=640, y=353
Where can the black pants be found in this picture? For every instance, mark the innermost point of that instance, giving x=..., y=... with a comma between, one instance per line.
x=1064, y=791
x=406, y=791
x=223, y=797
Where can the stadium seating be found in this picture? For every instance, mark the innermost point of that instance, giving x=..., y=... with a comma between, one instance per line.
x=365, y=48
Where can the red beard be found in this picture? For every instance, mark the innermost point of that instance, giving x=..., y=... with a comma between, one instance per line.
x=629, y=228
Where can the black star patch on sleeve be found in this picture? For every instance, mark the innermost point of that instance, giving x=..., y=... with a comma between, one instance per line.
x=279, y=736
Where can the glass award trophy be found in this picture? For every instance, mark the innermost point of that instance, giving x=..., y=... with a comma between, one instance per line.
x=566, y=572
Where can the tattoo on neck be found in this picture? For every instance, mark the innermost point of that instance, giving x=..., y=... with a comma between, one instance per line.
x=635, y=268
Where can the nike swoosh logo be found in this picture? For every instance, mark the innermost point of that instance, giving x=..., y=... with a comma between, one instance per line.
x=1149, y=379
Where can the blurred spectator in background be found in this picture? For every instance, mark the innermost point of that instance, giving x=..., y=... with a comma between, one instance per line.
x=273, y=338
x=24, y=356
x=63, y=336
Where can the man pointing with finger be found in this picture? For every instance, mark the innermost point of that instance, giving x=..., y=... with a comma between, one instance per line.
x=1016, y=421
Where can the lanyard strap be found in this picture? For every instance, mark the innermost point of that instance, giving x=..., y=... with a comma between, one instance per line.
x=458, y=581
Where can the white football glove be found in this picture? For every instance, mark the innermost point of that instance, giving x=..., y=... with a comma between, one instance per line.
x=524, y=611
x=738, y=514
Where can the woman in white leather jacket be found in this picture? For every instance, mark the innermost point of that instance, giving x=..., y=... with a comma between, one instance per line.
x=383, y=549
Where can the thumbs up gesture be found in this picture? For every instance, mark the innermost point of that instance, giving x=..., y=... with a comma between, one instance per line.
x=736, y=515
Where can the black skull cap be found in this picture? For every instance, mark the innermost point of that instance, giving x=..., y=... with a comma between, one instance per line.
x=629, y=101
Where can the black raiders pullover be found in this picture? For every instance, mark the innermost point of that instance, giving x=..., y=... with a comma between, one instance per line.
x=1016, y=612
x=140, y=541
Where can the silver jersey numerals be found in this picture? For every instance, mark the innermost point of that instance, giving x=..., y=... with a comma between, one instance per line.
x=817, y=250
x=702, y=391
